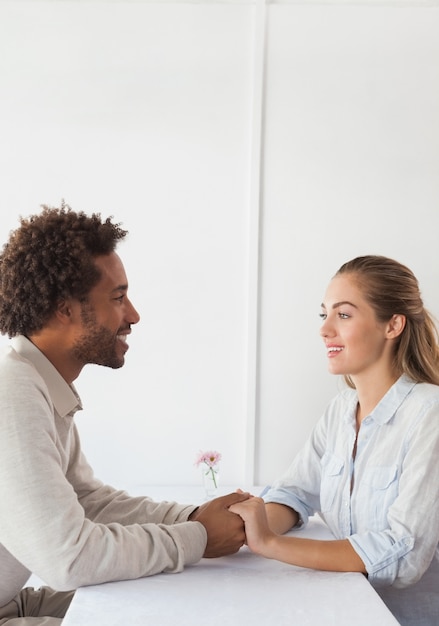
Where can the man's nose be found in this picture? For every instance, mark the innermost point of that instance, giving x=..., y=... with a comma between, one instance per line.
x=133, y=315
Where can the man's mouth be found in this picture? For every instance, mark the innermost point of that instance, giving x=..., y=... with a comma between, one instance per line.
x=123, y=338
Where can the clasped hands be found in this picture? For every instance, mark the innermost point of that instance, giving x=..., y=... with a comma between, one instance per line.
x=230, y=522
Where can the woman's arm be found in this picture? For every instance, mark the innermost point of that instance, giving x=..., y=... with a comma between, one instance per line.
x=280, y=517
x=261, y=537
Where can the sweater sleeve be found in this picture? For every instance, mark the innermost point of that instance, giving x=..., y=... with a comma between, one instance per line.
x=79, y=534
x=103, y=503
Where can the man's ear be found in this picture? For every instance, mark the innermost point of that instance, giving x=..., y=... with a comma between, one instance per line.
x=64, y=311
x=396, y=325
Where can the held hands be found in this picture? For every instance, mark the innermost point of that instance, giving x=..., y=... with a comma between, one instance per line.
x=257, y=530
x=225, y=529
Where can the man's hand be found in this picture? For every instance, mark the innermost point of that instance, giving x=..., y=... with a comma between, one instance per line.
x=225, y=530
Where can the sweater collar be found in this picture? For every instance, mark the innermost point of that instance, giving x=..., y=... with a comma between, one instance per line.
x=64, y=396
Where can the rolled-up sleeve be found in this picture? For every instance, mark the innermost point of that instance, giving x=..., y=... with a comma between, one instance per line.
x=283, y=496
x=299, y=487
x=381, y=555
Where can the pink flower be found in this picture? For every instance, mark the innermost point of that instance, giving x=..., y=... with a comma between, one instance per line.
x=210, y=458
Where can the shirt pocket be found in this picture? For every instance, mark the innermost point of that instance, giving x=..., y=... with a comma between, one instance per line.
x=332, y=475
x=380, y=488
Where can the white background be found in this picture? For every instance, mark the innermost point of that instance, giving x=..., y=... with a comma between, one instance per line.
x=250, y=148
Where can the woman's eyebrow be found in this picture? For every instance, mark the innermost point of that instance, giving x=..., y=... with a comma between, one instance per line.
x=341, y=303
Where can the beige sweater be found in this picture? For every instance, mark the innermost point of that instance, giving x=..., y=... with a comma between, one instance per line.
x=56, y=519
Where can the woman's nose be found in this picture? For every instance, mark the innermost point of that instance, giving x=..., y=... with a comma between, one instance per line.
x=325, y=329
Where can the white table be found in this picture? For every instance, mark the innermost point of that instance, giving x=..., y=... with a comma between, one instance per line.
x=243, y=588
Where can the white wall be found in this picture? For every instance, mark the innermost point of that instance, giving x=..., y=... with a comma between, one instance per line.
x=141, y=111
x=152, y=112
x=351, y=162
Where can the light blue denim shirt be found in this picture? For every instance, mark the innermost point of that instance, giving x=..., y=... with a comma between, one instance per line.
x=386, y=501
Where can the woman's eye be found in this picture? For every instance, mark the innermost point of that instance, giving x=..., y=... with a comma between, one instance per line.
x=343, y=316
x=323, y=316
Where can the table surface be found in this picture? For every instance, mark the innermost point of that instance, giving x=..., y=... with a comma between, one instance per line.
x=229, y=590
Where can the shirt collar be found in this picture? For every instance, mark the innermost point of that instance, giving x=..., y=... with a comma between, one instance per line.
x=387, y=406
x=393, y=399
x=64, y=396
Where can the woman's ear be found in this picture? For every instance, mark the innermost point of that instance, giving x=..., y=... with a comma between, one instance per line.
x=396, y=325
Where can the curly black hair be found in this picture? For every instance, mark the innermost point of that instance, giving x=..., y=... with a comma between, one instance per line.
x=50, y=257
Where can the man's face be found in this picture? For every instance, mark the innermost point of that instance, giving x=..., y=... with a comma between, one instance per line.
x=106, y=317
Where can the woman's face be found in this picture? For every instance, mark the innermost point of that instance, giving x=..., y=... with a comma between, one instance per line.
x=356, y=342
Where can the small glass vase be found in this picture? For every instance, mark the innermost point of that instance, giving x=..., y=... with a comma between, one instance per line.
x=210, y=477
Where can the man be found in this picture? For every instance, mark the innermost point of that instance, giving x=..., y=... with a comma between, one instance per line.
x=64, y=302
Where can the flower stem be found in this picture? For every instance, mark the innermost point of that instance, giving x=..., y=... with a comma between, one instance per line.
x=213, y=477
x=211, y=470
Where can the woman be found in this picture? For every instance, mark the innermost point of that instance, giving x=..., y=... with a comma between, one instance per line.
x=371, y=465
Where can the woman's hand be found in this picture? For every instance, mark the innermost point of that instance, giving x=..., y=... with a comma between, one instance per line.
x=258, y=534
